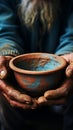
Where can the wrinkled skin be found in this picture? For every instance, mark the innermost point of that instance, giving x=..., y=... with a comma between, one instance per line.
x=51, y=97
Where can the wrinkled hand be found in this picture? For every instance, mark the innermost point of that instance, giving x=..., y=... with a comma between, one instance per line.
x=14, y=97
x=61, y=94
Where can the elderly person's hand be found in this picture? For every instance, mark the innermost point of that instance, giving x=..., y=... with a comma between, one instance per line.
x=61, y=94
x=14, y=97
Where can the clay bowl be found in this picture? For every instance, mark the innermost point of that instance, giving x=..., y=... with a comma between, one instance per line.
x=38, y=72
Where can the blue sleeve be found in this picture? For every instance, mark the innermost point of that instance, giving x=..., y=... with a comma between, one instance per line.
x=66, y=40
x=10, y=40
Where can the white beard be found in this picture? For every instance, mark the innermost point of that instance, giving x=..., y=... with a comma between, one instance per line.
x=30, y=9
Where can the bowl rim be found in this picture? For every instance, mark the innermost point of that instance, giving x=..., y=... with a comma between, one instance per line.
x=30, y=72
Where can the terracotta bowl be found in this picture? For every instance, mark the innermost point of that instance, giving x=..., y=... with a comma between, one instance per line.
x=38, y=72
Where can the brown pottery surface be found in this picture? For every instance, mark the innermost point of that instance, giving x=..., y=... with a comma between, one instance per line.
x=38, y=72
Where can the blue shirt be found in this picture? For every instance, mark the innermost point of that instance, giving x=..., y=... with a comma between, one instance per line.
x=16, y=38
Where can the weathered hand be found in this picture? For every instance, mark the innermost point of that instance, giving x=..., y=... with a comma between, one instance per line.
x=14, y=97
x=57, y=96
x=60, y=95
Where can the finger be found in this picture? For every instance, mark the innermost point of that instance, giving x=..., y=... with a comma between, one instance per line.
x=3, y=70
x=62, y=91
x=68, y=57
x=69, y=70
x=43, y=101
x=4, y=66
x=16, y=104
x=3, y=73
x=14, y=94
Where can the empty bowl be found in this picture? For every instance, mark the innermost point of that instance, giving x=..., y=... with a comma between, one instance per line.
x=38, y=72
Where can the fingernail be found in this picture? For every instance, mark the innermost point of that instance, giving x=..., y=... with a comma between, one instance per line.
x=2, y=74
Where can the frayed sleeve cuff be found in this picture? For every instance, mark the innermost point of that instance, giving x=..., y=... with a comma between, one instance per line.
x=9, y=52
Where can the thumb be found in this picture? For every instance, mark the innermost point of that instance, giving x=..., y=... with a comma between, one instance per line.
x=3, y=73
x=69, y=70
x=3, y=69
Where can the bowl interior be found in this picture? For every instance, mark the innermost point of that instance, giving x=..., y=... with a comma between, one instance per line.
x=38, y=62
